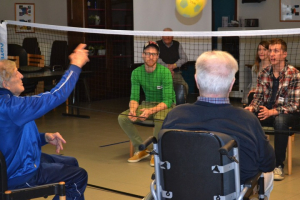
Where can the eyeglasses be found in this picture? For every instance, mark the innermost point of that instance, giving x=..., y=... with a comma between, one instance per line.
x=150, y=54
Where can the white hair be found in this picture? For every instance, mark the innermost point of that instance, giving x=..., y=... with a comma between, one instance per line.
x=215, y=71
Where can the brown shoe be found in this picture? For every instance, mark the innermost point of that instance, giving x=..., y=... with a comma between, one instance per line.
x=138, y=156
x=152, y=161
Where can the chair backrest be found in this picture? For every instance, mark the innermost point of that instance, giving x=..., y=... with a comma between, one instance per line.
x=193, y=157
x=31, y=45
x=179, y=92
x=36, y=60
x=59, y=54
x=17, y=50
x=3, y=176
x=16, y=59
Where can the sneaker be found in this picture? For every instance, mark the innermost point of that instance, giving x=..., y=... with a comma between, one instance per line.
x=152, y=161
x=138, y=156
x=278, y=173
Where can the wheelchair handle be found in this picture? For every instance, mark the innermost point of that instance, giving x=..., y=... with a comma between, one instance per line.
x=226, y=148
x=147, y=142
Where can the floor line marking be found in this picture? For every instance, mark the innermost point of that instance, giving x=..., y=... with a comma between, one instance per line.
x=107, y=145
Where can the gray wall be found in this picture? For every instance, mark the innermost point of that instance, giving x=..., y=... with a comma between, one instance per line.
x=46, y=11
x=155, y=15
x=267, y=12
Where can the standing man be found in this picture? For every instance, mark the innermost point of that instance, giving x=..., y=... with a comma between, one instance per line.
x=156, y=81
x=276, y=100
x=173, y=57
x=20, y=140
x=215, y=76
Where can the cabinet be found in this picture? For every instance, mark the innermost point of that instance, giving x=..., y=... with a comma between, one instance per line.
x=110, y=55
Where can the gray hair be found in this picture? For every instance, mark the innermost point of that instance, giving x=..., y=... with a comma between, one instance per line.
x=215, y=71
x=7, y=68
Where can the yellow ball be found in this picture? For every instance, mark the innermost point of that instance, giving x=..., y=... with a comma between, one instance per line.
x=190, y=8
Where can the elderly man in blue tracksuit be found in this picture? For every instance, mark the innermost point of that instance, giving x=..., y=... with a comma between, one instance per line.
x=20, y=140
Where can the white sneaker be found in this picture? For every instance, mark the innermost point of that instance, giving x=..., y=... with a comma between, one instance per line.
x=278, y=173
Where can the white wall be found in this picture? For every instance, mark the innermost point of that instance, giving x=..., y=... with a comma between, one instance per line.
x=155, y=15
x=46, y=11
x=267, y=12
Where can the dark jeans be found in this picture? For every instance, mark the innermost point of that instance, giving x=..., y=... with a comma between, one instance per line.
x=55, y=168
x=250, y=97
x=281, y=124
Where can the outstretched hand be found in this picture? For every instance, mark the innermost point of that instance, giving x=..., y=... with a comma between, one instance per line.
x=55, y=139
x=79, y=57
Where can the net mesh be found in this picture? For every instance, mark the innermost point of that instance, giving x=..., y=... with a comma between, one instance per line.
x=114, y=54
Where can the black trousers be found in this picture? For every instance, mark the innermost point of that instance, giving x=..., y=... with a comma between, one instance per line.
x=281, y=124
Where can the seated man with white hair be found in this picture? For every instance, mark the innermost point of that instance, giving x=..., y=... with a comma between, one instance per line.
x=215, y=76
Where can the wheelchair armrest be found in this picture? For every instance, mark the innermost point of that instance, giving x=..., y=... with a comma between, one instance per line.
x=252, y=181
x=227, y=147
x=258, y=179
x=224, y=150
x=147, y=142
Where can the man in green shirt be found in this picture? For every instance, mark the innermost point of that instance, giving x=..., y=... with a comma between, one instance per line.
x=156, y=81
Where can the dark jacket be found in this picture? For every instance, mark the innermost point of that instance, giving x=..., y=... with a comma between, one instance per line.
x=256, y=153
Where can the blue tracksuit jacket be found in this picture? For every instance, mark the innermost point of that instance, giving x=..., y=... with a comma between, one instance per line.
x=20, y=141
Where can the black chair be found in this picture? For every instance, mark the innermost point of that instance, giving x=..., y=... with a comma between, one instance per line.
x=27, y=193
x=31, y=46
x=198, y=165
x=58, y=60
x=59, y=55
x=17, y=50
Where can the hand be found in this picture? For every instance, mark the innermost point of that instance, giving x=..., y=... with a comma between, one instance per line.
x=146, y=113
x=55, y=139
x=172, y=73
x=132, y=116
x=250, y=108
x=79, y=56
x=171, y=67
x=264, y=113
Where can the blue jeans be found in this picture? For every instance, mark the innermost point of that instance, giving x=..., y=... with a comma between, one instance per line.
x=55, y=168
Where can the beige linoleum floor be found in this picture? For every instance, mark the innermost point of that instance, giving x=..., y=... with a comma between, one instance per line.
x=107, y=166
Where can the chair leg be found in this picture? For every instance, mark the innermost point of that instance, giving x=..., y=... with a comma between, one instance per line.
x=131, y=149
x=289, y=155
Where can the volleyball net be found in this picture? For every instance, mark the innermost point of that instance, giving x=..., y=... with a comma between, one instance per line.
x=114, y=54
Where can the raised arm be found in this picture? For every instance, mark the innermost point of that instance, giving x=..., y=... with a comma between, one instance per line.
x=182, y=56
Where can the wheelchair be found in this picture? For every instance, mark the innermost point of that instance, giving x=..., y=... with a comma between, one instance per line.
x=198, y=165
